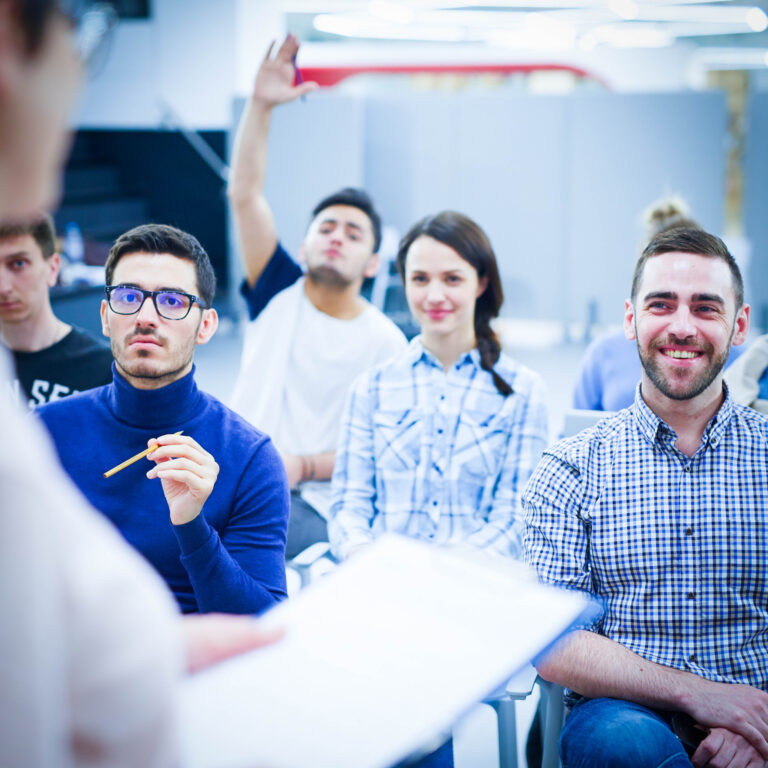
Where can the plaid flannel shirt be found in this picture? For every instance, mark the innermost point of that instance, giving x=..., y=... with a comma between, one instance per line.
x=435, y=455
x=675, y=546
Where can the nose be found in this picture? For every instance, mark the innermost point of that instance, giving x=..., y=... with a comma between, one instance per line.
x=147, y=315
x=435, y=292
x=5, y=280
x=681, y=325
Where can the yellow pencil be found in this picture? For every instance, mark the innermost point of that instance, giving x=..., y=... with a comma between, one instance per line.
x=128, y=462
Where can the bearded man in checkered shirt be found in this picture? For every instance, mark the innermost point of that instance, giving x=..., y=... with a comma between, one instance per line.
x=661, y=511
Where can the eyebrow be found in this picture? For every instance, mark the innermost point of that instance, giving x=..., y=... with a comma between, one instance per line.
x=714, y=298
x=15, y=255
x=350, y=224
x=156, y=290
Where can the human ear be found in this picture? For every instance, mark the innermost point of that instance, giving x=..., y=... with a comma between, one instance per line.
x=741, y=325
x=372, y=267
x=103, y=312
x=629, y=320
x=53, y=262
x=208, y=325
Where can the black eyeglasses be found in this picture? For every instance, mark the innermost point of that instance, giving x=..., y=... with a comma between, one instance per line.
x=172, y=305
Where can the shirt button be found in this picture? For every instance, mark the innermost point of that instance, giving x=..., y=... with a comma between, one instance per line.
x=689, y=531
x=439, y=431
x=690, y=595
x=687, y=468
x=434, y=503
x=442, y=397
x=692, y=657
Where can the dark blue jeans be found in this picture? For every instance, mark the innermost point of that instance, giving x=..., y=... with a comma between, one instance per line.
x=440, y=758
x=611, y=733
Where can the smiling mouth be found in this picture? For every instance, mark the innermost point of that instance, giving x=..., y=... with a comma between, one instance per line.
x=681, y=354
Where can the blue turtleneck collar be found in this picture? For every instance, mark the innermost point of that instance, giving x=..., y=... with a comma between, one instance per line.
x=160, y=409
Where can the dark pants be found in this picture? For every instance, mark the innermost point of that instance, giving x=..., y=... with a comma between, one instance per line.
x=305, y=527
x=611, y=733
x=440, y=758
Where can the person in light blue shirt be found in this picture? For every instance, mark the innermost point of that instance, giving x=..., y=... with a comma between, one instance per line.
x=438, y=442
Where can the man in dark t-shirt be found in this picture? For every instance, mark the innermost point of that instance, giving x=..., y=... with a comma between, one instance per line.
x=53, y=359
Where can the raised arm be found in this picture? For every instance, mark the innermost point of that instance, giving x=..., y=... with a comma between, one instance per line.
x=254, y=222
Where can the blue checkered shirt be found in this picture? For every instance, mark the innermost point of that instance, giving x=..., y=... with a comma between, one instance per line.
x=675, y=546
x=435, y=455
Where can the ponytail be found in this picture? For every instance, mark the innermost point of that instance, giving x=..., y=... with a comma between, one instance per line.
x=489, y=348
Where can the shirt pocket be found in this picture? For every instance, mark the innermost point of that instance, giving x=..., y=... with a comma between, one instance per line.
x=397, y=439
x=481, y=443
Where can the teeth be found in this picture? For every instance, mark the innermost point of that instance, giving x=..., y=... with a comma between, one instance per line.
x=680, y=354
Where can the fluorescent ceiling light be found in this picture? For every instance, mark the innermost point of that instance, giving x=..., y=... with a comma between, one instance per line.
x=625, y=9
x=757, y=19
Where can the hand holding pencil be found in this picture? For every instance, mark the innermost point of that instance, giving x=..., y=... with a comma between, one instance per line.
x=187, y=471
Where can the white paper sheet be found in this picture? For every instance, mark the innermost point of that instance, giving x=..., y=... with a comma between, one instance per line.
x=378, y=658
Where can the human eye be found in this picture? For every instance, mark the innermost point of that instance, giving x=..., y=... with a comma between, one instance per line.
x=18, y=264
x=173, y=300
x=419, y=279
x=126, y=295
x=453, y=279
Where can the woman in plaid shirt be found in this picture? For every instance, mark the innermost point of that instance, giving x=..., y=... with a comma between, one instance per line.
x=438, y=442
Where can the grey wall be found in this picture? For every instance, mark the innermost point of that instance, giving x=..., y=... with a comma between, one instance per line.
x=558, y=182
x=756, y=206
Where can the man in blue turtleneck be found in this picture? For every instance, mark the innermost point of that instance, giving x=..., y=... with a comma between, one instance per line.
x=223, y=546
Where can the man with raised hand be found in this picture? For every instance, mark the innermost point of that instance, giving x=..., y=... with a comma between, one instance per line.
x=661, y=511
x=309, y=336
x=53, y=359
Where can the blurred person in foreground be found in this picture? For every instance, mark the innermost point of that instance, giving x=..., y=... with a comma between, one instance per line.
x=92, y=647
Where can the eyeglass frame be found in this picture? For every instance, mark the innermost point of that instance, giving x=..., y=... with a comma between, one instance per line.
x=153, y=295
x=93, y=23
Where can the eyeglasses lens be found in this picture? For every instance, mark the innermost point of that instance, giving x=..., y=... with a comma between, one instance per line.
x=170, y=305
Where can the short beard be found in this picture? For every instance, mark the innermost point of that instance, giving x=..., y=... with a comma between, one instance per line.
x=697, y=386
x=329, y=277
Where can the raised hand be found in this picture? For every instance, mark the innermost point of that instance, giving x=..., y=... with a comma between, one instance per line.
x=275, y=78
x=187, y=472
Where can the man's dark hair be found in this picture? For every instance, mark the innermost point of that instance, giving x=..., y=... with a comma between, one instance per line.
x=357, y=198
x=163, y=238
x=33, y=16
x=40, y=228
x=689, y=240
